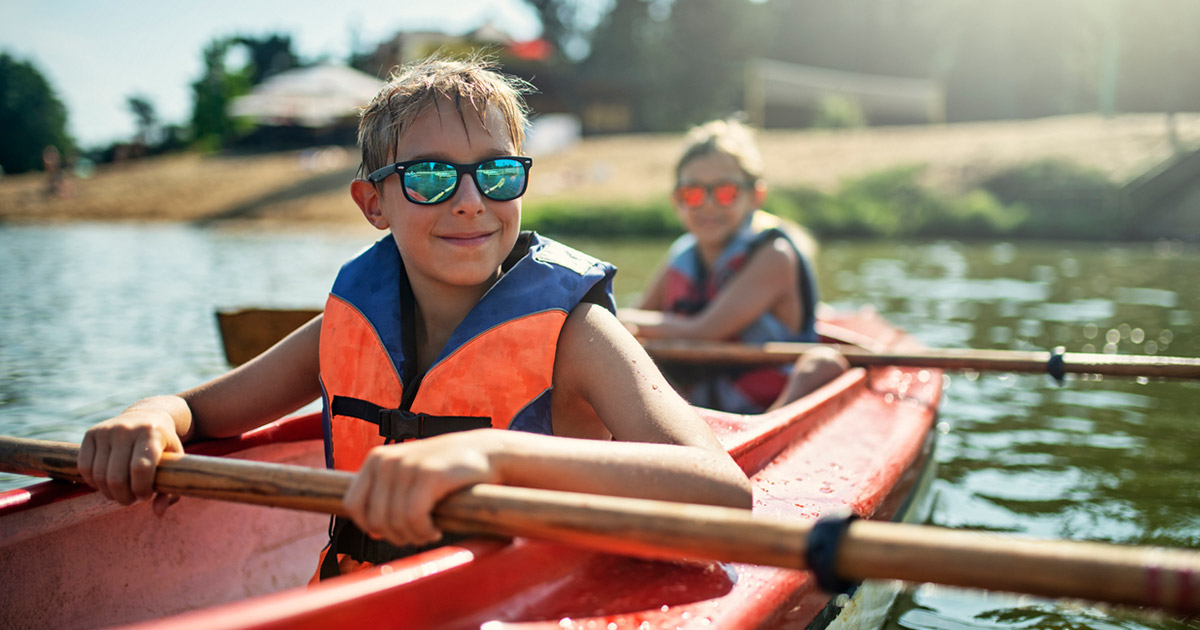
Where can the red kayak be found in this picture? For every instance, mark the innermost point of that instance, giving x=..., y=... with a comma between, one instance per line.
x=72, y=559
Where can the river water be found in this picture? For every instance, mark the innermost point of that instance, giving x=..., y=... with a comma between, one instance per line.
x=95, y=316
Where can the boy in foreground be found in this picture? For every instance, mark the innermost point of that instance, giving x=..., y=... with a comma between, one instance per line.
x=457, y=350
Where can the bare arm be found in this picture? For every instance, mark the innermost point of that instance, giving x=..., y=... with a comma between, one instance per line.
x=273, y=384
x=118, y=456
x=665, y=450
x=767, y=280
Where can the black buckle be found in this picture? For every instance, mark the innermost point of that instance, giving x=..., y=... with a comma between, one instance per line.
x=399, y=424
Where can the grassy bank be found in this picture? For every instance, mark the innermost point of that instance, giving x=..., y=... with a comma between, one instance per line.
x=1047, y=178
x=1050, y=199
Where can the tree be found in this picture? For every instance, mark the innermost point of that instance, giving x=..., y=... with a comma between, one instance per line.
x=31, y=117
x=269, y=56
x=558, y=19
x=682, y=62
x=211, y=124
x=145, y=118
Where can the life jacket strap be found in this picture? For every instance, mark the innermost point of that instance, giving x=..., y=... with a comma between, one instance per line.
x=402, y=424
x=347, y=539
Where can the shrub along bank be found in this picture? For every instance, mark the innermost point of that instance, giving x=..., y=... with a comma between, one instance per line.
x=1047, y=200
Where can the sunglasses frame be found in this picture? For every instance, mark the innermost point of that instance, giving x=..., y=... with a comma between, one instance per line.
x=460, y=170
x=710, y=192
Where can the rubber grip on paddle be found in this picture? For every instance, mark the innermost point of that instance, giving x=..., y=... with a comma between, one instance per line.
x=821, y=555
x=1057, y=366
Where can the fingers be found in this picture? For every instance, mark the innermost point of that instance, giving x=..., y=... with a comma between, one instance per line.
x=417, y=515
x=164, y=501
x=146, y=452
x=87, y=454
x=379, y=502
x=99, y=468
x=116, y=479
x=392, y=497
x=119, y=457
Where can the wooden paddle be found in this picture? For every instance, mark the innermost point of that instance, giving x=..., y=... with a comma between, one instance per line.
x=248, y=332
x=1055, y=364
x=1168, y=579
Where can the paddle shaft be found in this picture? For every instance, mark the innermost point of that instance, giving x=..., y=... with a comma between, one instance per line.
x=701, y=352
x=248, y=332
x=1164, y=578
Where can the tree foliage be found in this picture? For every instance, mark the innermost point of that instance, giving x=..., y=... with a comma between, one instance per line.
x=682, y=61
x=144, y=116
x=212, y=127
x=268, y=55
x=31, y=117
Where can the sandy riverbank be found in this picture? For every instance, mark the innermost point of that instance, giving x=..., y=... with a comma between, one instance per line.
x=310, y=187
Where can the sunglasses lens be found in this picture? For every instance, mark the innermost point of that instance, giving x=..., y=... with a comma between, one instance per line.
x=725, y=194
x=691, y=196
x=502, y=179
x=430, y=182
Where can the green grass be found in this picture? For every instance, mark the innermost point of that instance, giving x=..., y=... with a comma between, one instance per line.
x=888, y=203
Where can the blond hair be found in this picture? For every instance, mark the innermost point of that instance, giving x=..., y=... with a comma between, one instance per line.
x=728, y=136
x=471, y=84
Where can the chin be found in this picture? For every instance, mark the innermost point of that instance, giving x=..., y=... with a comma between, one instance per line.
x=470, y=277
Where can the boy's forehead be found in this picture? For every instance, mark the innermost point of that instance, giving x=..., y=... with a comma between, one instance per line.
x=443, y=127
x=712, y=164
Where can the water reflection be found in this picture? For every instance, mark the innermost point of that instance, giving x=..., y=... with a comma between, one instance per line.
x=97, y=316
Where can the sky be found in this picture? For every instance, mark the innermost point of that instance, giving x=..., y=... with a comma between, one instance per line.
x=97, y=54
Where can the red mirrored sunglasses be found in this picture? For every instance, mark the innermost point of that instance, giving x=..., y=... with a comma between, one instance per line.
x=693, y=195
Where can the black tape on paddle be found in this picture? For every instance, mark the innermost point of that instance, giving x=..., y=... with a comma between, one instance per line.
x=1057, y=366
x=823, y=542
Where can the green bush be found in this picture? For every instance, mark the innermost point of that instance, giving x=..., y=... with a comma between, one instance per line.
x=1041, y=200
x=894, y=202
x=1060, y=199
x=839, y=112
x=571, y=219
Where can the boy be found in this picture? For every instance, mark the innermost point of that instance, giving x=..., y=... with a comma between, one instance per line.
x=739, y=273
x=454, y=321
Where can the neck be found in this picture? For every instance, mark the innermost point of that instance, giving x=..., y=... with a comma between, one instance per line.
x=440, y=309
x=710, y=252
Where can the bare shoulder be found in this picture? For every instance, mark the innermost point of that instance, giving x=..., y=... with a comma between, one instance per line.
x=593, y=338
x=601, y=365
x=775, y=263
x=777, y=252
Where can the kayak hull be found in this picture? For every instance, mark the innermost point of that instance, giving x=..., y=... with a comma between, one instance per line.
x=860, y=443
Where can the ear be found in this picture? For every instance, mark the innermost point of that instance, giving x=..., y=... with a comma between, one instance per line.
x=367, y=197
x=760, y=192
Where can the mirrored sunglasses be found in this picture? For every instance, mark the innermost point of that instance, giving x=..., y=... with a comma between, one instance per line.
x=693, y=195
x=427, y=182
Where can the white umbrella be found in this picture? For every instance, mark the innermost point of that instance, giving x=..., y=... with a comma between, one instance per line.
x=310, y=97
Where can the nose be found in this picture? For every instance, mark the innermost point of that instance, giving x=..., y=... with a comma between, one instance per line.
x=467, y=200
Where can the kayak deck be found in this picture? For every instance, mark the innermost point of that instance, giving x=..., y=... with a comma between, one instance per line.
x=859, y=443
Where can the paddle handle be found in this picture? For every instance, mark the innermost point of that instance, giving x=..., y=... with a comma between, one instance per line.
x=1163, y=578
x=220, y=478
x=718, y=352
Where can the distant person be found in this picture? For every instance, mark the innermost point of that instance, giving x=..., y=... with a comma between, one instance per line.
x=55, y=174
x=738, y=273
x=457, y=350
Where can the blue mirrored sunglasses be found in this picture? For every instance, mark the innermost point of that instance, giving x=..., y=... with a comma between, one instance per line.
x=427, y=182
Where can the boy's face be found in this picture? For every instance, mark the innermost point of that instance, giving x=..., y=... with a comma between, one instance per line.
x=700, y=199
x=460, y=242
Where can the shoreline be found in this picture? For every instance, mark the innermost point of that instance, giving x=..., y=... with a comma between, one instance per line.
x=310, y=187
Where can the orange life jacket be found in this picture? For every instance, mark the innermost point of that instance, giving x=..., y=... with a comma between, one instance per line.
x=496, y=369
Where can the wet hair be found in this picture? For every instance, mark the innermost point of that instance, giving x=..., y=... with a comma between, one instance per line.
x=472, y=85
x=728, y=136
